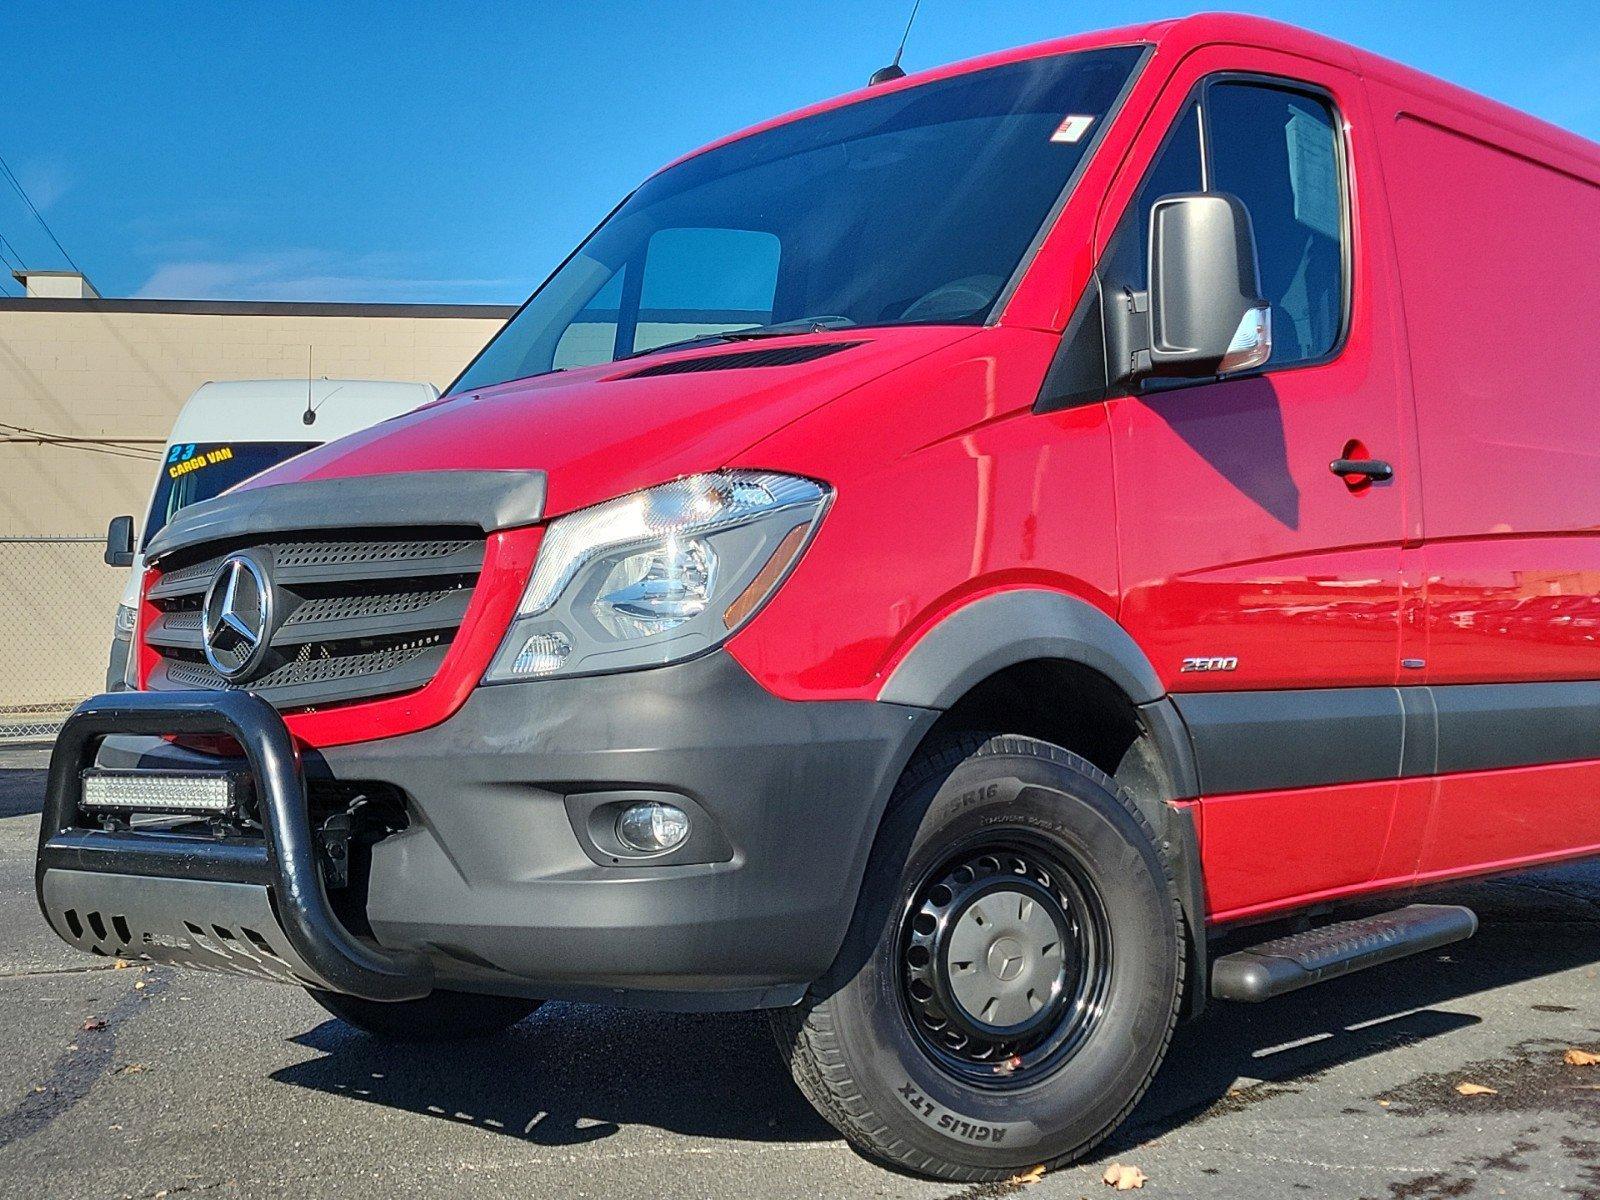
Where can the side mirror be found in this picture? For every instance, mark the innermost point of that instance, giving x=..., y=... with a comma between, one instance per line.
x=1203, y=315
x=119, y=542
x=1207, y=316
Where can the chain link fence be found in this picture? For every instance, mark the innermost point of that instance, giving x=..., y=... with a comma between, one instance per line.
x=58, y=601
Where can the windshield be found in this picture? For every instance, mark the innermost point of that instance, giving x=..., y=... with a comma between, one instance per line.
x=198, y=471
x=914, y=207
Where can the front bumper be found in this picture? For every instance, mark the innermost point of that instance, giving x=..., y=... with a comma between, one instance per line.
x=494, y=886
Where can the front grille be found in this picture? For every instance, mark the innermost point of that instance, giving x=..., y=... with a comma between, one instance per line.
x=354, y=617
x=313, y=665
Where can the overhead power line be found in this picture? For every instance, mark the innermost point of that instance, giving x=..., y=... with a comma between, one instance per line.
x=37, y=215
x=8, y=252
x=115, y=447
x=69, y=437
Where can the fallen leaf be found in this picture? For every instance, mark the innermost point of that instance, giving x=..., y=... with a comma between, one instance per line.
x=1024, y=1178
x=1123, y=1178
x=92, y=1024
x=1475, y=1089
x=1383, y=1104
x=140, y=986
x=1581, y=1058
x=131, y=1068
x=121, y=964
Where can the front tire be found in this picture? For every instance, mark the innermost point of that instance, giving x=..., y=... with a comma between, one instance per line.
x=1013, y=973
x=440, y=1016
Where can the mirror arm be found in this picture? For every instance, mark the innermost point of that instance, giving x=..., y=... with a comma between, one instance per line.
x=1127, y=336
x=1139, y=309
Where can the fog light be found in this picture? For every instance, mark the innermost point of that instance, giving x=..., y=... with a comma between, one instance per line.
x=652, y=828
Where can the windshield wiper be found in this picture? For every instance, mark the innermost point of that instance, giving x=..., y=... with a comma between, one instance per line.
x=777, y=329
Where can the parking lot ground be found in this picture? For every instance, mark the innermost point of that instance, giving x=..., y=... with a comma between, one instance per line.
x=207, y=1085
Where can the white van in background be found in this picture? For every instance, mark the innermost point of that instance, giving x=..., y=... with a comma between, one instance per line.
x=228, y=432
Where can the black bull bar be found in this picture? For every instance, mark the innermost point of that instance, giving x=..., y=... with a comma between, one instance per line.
x=174, y=885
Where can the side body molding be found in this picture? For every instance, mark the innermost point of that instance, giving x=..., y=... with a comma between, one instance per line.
x=1007, y=628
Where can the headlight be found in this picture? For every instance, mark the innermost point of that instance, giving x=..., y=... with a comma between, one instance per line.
x=659, y=575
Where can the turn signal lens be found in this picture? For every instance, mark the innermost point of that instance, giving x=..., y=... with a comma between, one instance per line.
x=1252, y=342
x=541, y=654
x=766, y=579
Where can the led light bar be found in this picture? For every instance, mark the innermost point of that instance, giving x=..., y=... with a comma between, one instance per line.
x=159, y=791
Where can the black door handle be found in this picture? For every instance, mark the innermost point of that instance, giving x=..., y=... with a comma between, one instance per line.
x=1371, y=468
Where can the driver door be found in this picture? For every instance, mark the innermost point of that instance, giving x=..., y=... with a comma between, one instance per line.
x=1267, y=590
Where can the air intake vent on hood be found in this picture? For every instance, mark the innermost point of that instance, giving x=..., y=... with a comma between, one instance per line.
x=778, y=356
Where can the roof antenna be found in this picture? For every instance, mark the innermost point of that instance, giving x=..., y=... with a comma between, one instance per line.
x=309, y=417
x=892, y=71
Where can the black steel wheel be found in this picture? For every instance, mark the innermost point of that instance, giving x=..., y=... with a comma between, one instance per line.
x=1005, y=960
x=1013, y=974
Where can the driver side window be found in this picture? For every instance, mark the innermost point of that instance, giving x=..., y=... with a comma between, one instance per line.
x=1178, y=168
x=1278, y=150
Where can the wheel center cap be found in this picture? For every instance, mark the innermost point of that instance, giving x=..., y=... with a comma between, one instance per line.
x=1006, y=959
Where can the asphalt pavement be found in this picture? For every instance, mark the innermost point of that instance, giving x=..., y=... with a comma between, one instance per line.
x=151, y=1082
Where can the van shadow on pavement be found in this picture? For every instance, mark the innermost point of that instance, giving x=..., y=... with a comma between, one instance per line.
x=573, y=1073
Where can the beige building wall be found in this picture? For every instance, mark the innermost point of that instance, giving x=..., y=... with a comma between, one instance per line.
x=82, y=378
x=121, y=369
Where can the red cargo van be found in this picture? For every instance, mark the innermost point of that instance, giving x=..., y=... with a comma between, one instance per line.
x=924, y=566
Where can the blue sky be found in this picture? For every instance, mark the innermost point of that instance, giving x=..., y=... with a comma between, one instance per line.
x=454, y=152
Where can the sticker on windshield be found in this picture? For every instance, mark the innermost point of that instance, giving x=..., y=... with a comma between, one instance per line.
x=1072, y=129
x=181, y=460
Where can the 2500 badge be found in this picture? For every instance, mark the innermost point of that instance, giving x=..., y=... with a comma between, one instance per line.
x=937, y=1117
x=1214, y=662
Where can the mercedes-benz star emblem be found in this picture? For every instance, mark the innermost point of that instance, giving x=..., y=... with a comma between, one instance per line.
x=237, y=619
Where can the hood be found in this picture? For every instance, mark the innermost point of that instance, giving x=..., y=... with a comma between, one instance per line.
x=599, y=432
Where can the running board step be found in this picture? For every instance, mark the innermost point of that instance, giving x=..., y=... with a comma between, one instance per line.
x=1301, y=959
